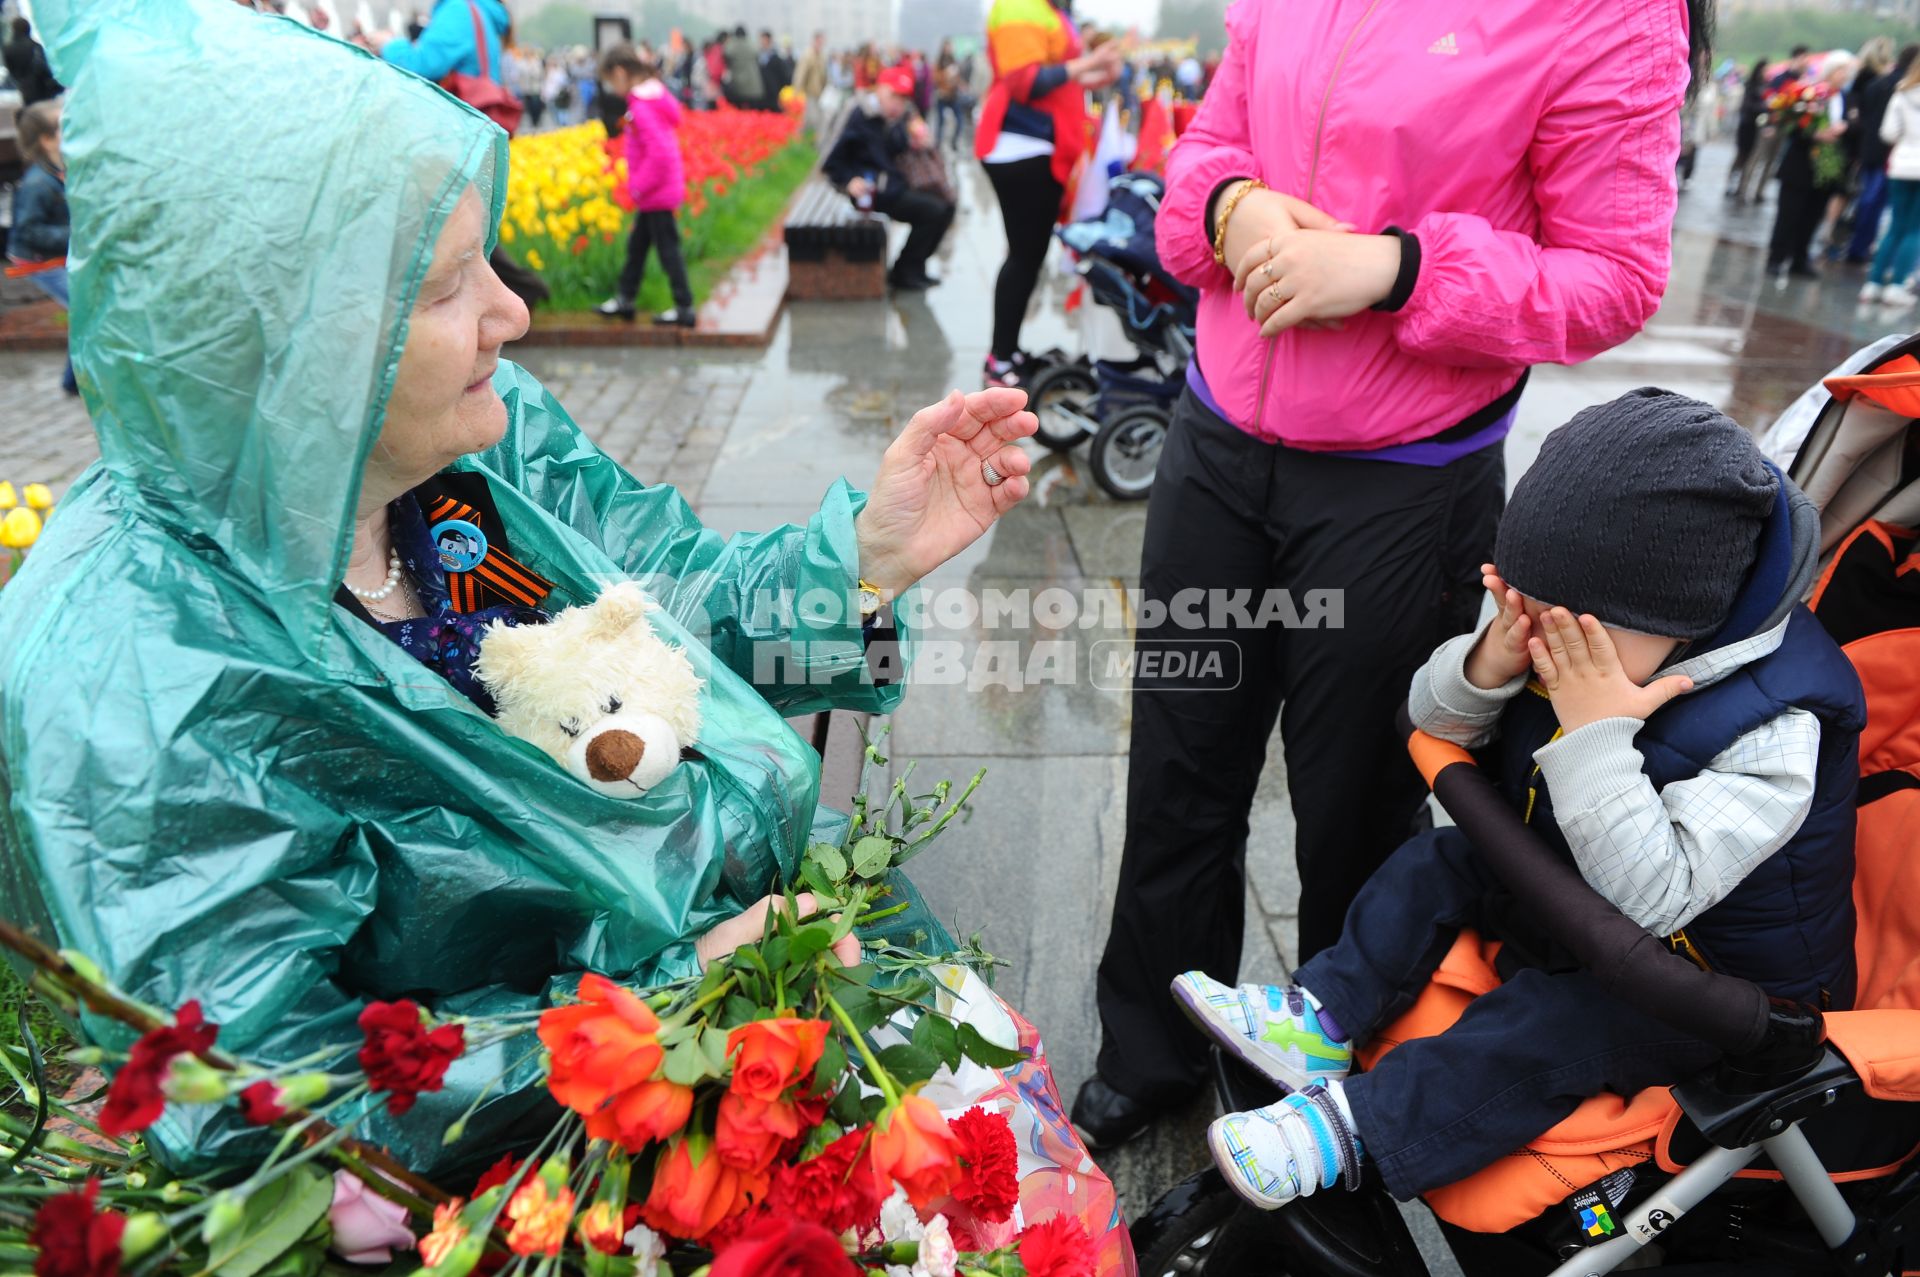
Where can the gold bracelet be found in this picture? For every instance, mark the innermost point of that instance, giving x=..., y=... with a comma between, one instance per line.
x=1220, y=219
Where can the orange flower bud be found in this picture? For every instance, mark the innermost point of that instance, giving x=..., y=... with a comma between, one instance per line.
x=600, y=1229
x=447, y=1233
x=913, y=1147
x=539, y=1218
x=693, y=1190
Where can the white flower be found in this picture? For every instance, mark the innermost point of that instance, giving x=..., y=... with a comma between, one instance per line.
x=938, y=1255
x=646, y=1245
x=898, y=1220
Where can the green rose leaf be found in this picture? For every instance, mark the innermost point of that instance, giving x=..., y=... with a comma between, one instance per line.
x=831, y=861
x=687, y=1064
x=809, y=942
x=872, y=855
x=935, y=1033
x=909, y=1063
x=277, y=1216
x=981, y=1051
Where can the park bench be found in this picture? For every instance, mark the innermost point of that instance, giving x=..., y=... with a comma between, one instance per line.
x=835, y=252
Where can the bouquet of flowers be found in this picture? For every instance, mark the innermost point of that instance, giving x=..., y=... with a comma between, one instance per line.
x=773, y=1114
x=1802, y=109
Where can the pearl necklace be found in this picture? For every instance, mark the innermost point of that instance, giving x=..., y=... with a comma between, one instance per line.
x=393, y=581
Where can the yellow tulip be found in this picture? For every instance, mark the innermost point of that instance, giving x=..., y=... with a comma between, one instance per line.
x=7, y=499
x=506, y=232
x=20, y=529
x=533, y=259
x=39, y=496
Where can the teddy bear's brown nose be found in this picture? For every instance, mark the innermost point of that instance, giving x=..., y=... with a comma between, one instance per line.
x=613, y=755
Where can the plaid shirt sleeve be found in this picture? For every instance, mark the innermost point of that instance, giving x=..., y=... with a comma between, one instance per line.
x=1664, y=857
x=1443, y=703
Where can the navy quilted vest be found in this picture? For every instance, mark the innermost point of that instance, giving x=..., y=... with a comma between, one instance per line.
x=1788, y=926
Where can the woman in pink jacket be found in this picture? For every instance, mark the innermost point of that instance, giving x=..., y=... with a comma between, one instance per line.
x=1392, y=209
x=656, y=183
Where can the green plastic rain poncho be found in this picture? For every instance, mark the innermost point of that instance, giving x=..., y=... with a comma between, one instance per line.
x=218, y=782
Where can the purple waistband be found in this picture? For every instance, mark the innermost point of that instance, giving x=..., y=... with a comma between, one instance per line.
x=1421, y=452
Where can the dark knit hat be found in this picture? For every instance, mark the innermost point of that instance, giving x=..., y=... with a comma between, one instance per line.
x=1646, y=512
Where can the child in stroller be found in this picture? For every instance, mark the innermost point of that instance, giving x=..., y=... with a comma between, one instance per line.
x=1753, y=1102
x=1713, y=805
x=1123, y=405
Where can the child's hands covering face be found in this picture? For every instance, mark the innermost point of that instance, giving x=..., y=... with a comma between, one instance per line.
x=1578, y=664
x=1501, y=654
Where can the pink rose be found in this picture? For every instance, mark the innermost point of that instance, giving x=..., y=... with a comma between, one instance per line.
x=367, y=1228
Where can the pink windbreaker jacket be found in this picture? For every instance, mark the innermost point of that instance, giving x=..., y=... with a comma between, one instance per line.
x=1529, y=145
x=654, y=174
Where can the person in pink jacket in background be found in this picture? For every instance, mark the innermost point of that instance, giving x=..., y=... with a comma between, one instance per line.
x=1392, y=209
x=655, y=182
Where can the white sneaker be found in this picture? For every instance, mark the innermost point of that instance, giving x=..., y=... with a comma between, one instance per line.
x=1291, y=1149
x=1897, y=295
x=1274, y=1029
x=1870, y=292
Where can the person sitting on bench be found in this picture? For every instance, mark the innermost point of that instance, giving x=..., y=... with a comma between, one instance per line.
x=865, y=163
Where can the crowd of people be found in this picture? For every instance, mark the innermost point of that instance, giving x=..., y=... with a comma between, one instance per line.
x=1840, y=133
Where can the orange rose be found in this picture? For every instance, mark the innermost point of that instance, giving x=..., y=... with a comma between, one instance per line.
x=642, y=1115
x=600, y=1229
x=748, y=1134
x=539, y=1219
x=447, y=1233
x=606, y=1053
x=913, y=1147
x=771, y=1055
x=693, y=1190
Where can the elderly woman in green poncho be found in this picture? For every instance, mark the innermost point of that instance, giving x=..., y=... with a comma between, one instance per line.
x=243, y=757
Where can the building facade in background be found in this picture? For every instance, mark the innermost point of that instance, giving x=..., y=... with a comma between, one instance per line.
x=846, y=22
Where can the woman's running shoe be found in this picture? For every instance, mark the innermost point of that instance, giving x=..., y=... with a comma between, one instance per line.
x=1292, y=1149
x=1274, y=1029
x=1014, y=373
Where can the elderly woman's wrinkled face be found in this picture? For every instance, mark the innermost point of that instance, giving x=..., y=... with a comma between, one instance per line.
x=443, y=403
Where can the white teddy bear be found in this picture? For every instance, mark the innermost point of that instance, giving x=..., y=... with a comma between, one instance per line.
x=596, y=689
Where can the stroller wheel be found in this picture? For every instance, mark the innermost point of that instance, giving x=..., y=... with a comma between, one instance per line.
x=1063, y=397
x=1201, y=1227
x=1126, y=452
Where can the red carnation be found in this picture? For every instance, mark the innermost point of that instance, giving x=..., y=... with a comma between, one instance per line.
x=990, y=1164
x=401, y=1056
x=1058, y=1247
x=497, y=1174
x=260, y=1103
x=135, y=1100
x=74, y=1239
x=837, y=1189
x=776, y=1247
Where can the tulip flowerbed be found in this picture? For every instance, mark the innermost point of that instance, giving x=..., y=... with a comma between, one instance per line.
x=566, y=218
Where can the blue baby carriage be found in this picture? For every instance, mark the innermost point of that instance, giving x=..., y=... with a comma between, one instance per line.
x=1124, y=406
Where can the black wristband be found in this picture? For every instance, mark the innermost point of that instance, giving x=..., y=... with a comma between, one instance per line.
x=1213, y=198
x=1409, y=270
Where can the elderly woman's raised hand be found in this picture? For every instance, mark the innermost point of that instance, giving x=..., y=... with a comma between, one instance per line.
x=932, y=497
